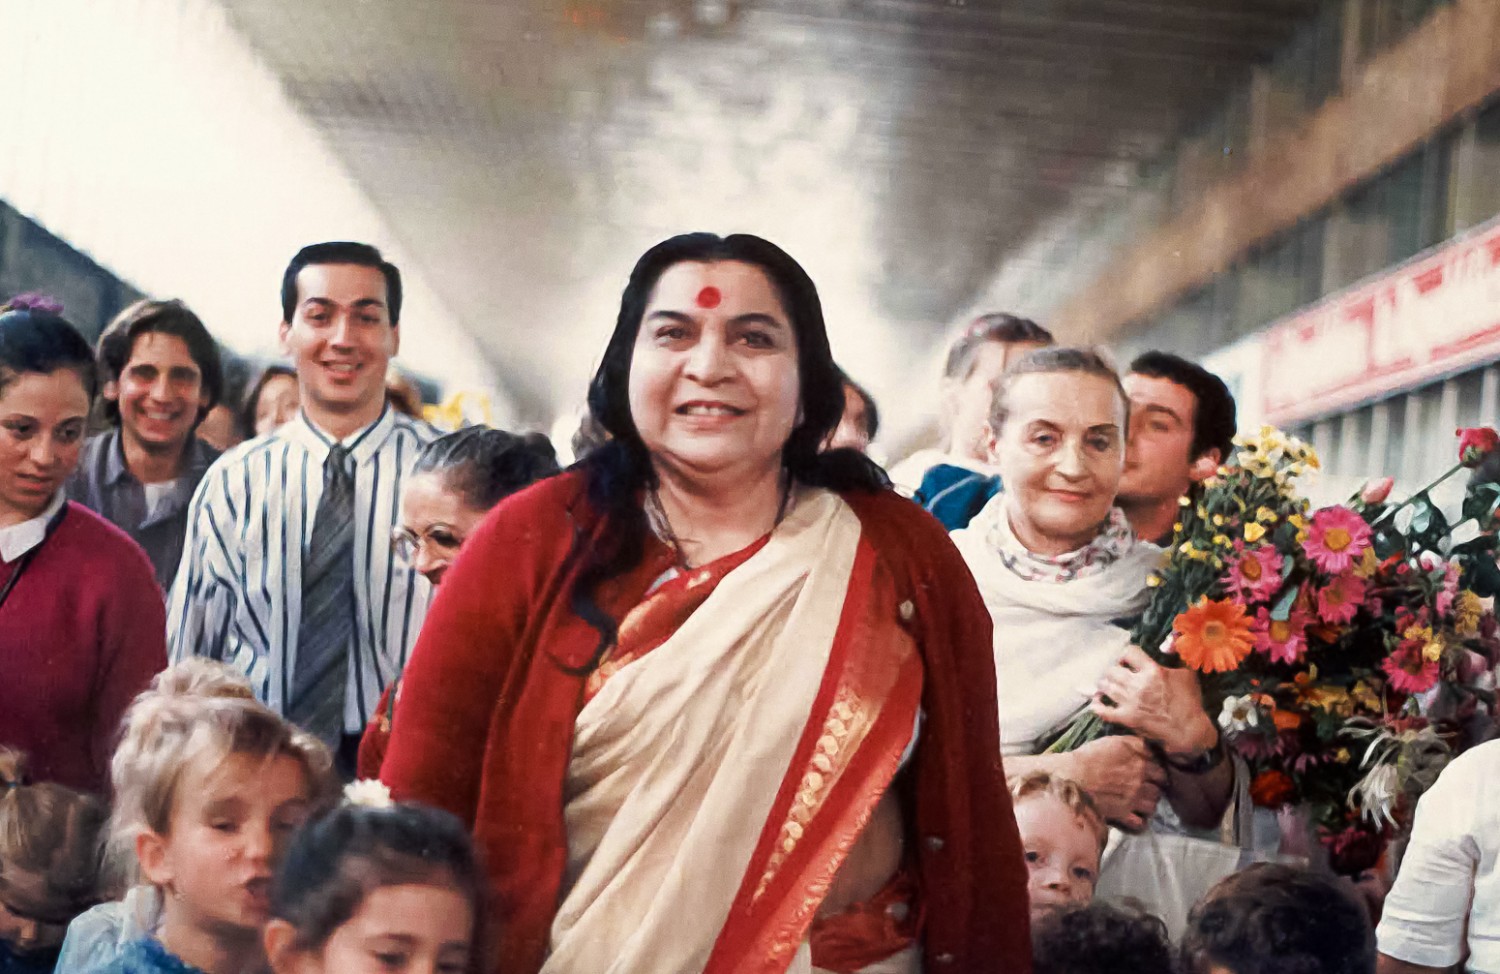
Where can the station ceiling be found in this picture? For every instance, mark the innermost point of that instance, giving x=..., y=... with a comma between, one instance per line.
x=526, y=151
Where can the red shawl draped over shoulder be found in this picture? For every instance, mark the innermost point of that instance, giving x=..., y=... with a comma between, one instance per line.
x=484, y=723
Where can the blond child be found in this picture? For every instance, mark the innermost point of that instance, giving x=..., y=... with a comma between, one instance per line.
x=209, y=786
x=1063, y=836
x=374, y=887
x=50, y=851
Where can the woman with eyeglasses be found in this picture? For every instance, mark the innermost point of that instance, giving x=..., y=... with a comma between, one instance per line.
x=453, y=484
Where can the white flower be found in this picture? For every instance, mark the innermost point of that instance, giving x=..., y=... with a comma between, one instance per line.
x=1376, y=794
x=1239, y=714
x=368, y=793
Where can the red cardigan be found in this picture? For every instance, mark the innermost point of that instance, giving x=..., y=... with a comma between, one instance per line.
x=485, y=720
x=82, y=633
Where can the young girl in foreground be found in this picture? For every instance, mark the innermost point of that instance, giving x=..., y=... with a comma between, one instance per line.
x=209, y=789
x=377, y=887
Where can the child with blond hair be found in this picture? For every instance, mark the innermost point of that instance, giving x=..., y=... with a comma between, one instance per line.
x=1063, y=836
x=50, y=851
x=209, y=785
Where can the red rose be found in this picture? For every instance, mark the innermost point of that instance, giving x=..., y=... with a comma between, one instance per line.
x=1476, y=443
x=1272, y=789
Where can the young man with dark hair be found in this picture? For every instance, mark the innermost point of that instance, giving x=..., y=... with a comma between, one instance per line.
x=289, y=571
x=161, y=375
x=1182, y=424
x=955, y=482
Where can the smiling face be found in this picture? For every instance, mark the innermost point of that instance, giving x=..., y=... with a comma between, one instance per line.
x=160, y=392
x=714, y=373
x=229, y=828
x=341, y=339
x=42, y=422
x=1060, y=454
x=1062, y=853
x=407, y=929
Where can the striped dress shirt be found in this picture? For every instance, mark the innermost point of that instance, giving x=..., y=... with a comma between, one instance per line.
x=238, y=592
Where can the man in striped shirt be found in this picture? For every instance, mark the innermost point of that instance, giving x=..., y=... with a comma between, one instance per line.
x=288, y=570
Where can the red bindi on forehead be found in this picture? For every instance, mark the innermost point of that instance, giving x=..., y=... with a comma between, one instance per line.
x=709, y=298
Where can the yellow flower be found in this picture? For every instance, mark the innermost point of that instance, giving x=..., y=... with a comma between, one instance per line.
x=1367, y=564
x=1177, y=528
x=1433, y=651
x=1153, y=581
x=1265, y=515
x=1467, y=611
x=1202, y=512
x=1218, y=520
x=1254, y=532
x=1365, y=697
x=1422, y=634
x=1184, y=501
x=1222, y=541
x=1341, y=756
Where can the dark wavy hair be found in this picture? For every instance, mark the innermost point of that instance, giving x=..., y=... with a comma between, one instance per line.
x=144, y=317
x=618, y=471
x=1100, y=938
x=1278, y=919
x=335, y=861
x=43, y=341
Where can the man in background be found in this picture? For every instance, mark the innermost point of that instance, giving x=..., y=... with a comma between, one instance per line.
x=161, y=376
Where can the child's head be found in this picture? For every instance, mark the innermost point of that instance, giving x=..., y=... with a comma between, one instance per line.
x=1063, y=835
x=209, y=786
x=50, y=851
x=1099, y=938
x=1275, y=919
x=377, y=889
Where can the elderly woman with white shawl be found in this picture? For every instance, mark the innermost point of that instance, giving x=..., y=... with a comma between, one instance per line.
x=1062, y=574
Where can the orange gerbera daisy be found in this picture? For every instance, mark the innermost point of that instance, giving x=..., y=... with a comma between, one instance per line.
x=1213, y=636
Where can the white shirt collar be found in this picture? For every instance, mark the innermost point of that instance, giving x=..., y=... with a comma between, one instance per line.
x=18, y=539
x=362, y=444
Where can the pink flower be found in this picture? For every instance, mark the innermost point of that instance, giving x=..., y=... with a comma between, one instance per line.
x=1283, y=641
x=1336, y=538
x=1255, y=574
x=1340, y=599
x=1445, y=603
x=1409, y=670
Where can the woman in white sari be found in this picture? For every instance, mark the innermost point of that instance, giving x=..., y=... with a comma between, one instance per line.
x=1061, y=574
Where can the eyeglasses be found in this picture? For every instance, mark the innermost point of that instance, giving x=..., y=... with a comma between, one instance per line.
x=439, y=540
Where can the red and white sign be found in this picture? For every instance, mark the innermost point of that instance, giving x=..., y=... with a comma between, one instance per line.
x=1437, y=315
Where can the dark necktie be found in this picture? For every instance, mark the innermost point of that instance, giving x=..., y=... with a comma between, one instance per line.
x=326, y=631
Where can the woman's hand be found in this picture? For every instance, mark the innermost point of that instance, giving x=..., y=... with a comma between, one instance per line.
x=1121, y=776
x=1160, y=704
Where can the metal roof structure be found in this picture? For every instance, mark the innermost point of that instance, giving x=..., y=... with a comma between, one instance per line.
x=526, y=151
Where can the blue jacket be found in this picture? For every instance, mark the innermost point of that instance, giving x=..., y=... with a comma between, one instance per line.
x=954, y=494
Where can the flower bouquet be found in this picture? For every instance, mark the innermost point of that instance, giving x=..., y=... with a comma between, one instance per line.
x=1345, y=651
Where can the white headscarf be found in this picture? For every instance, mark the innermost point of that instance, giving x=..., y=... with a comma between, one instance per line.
x=1054, y=631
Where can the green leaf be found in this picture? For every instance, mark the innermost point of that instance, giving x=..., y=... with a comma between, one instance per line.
x=1282, y=610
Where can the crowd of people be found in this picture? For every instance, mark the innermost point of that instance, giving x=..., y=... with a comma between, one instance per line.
x=358, y=695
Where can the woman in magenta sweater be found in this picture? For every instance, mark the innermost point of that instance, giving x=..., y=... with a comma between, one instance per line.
x=82, y=622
